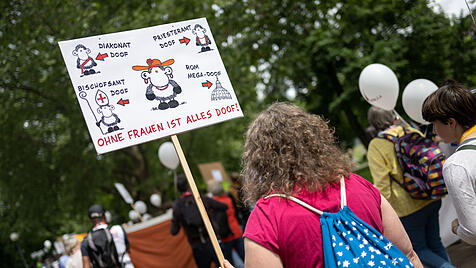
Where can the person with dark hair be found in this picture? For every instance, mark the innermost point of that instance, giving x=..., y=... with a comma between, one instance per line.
x=293, y=153
x=452, y=111
x=419, y=217
x=98, y=247
x=186, y=214
x=233, y=240
x=236, y=193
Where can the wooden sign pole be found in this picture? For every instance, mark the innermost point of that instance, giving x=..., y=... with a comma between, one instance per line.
x=198, y=200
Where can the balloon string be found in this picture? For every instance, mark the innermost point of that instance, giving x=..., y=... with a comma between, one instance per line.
x=470, y=12
x=400, y=118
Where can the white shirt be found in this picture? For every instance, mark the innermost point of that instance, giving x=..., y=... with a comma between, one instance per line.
x=120, y=243
x=75, y=260
x=459, y=172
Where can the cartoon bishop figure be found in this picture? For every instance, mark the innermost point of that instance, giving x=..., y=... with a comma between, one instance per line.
x=109, y=120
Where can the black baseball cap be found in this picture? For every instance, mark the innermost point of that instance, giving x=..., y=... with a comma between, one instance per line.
x=96, y=211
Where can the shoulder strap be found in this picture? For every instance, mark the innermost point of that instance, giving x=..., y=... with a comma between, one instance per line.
x=94, y=248
x=466, y=147
x=343, y=199
x=91, y=242
x=297, y=200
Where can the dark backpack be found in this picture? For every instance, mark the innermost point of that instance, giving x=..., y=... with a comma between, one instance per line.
x=102, y=248
x=219, y=219
x=191, y=216
x=421, y=161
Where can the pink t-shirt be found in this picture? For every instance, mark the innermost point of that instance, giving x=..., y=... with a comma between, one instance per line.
x=294, y=233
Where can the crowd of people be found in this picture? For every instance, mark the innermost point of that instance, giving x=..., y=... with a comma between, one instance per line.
x=309, y=209
x=292, y=168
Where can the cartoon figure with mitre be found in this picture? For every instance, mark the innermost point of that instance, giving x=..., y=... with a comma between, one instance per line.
x=109, y=120
x=202, y=39
x=84, y=61
x=161, y=86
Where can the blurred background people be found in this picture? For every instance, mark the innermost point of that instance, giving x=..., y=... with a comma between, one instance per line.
x=233, y=241
x=236, y=193
x=186, y=214
x=73, y=249
x=98, y=248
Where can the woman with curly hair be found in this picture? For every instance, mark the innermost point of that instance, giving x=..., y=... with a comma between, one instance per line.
x=289, y=151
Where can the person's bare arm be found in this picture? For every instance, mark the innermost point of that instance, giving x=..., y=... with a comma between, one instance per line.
x=259, y=256
x=86, y=262
x=393, y=230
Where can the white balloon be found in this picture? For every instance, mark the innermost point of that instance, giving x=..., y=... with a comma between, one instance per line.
x=14, y=236
x=47, y=244
x=140, y=206
x=413, y=97
x=378, y=85
x=146, y=217
x=156, y=200
x=108, y=216
x=168, y=156
x=133, y=215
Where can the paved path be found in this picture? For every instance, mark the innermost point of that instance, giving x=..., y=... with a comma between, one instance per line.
x=462, y=255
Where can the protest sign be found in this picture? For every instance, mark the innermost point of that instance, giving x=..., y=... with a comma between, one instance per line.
x=213, y=172
x=141, y=85
x=124, y=193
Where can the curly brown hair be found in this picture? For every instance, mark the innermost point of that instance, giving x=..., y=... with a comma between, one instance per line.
x=287, y=147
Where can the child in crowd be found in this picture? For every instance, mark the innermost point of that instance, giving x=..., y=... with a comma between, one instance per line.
x=452, y=111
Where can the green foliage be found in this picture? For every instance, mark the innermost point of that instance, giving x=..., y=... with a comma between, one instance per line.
x=49, y=171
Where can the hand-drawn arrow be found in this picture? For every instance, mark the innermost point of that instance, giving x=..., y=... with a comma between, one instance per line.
x=123, y=102
x=207, y=84
x=184, y=40
x=101, y=56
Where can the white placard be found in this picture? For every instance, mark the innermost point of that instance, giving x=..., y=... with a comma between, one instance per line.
x=124, y=193
x=216, y=174
x=144, y=84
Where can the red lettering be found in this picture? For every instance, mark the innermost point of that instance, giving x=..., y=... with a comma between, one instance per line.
x=209, y=114
x=100, y=142
x=136, y=133
x=160, y=127
x=119, y=137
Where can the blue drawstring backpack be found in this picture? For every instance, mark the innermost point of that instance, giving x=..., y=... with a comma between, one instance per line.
x=350, y=242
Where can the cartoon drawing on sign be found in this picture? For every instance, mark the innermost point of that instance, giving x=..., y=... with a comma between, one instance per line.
x=108, y=119
x=84, y=61
x=202, y=40
x=162, y=87
x=220, y=93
